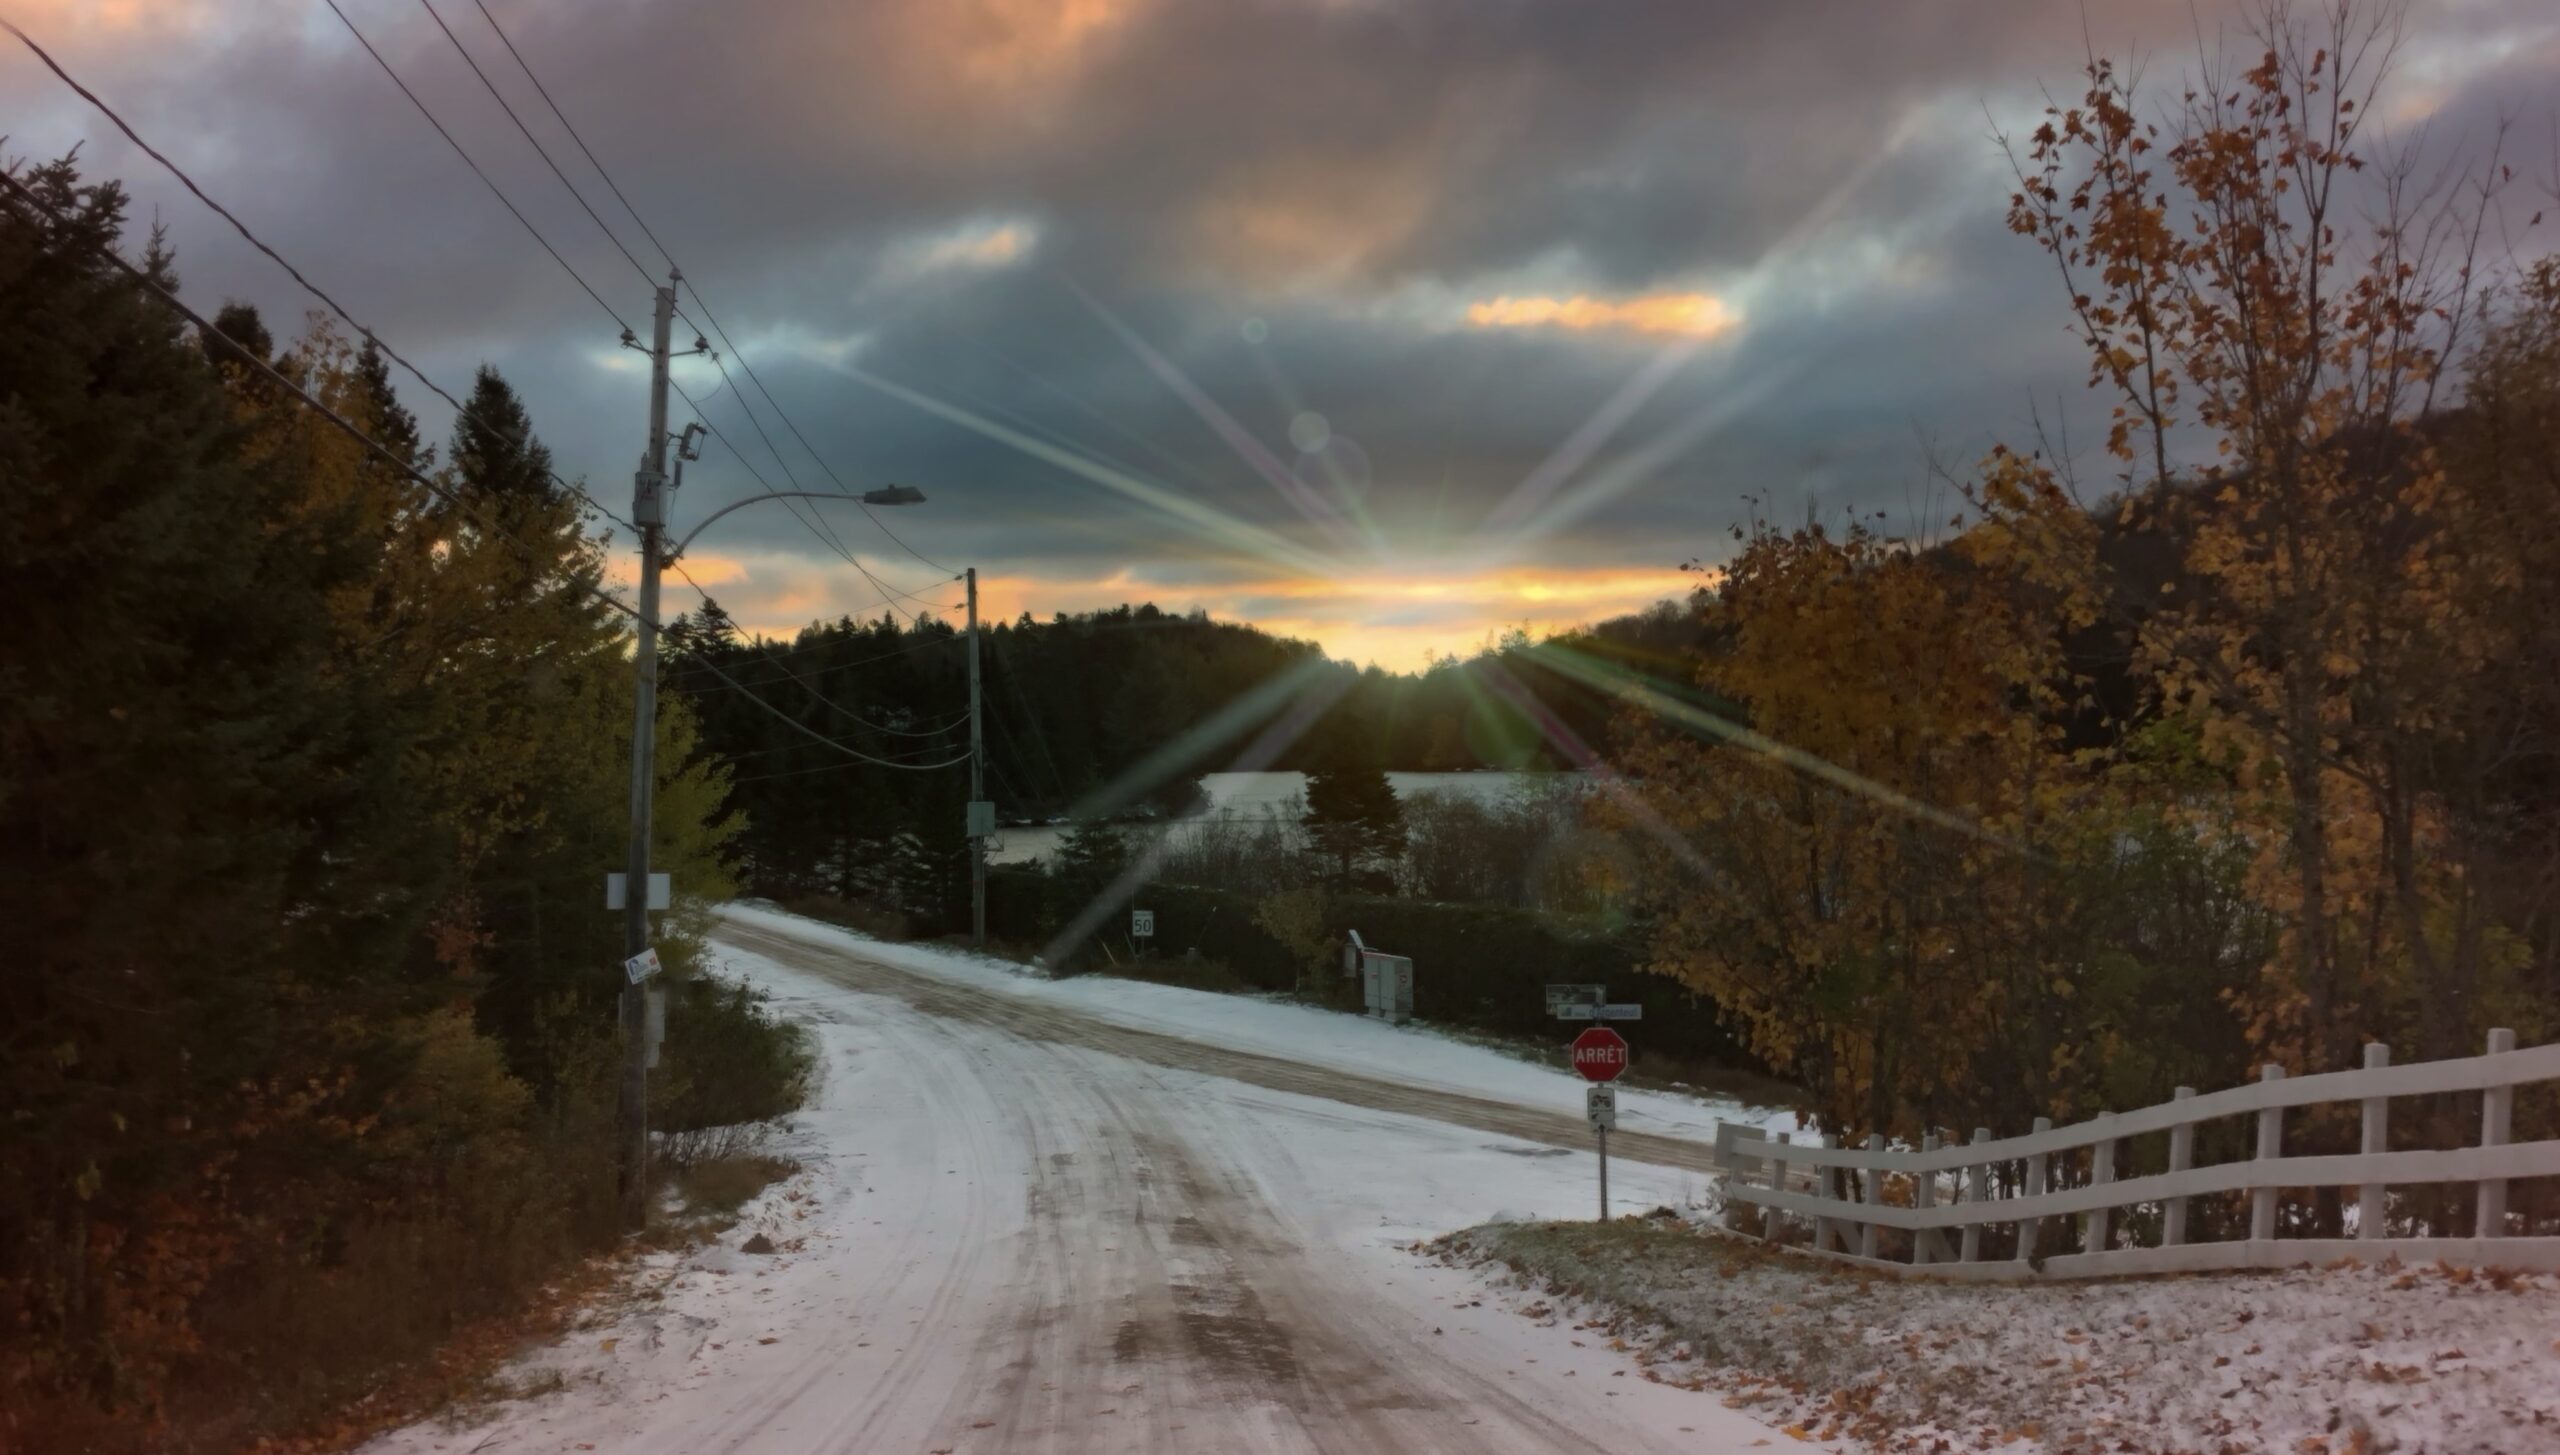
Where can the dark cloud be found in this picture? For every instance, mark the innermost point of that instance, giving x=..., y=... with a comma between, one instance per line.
x=981, y=203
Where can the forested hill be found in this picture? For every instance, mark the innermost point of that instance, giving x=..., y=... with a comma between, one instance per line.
x=1076, y=703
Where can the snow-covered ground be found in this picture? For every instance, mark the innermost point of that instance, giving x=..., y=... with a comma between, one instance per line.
x=2338, y=1361
x=1416, y=1054
x=1008, y=1237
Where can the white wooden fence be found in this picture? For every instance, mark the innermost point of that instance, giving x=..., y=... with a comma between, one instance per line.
x=1963, y=1188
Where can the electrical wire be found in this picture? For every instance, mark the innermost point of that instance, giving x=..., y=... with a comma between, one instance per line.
x=804, y=684
x=521, y=437
x=563, y=118
x=824, y=537
x=500, y=97
x=476, y=171
x=225, y=213
x=688, y=285
x=790, y=425
x=433, y=487
x=406, y=467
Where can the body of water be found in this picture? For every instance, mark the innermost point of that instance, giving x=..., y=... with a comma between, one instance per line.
x=1253, y=796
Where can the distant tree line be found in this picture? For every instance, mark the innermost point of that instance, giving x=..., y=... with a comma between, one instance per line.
x=1103, y=715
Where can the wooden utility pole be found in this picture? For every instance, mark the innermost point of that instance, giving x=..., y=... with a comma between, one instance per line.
x=977, y=784
x=649, y=512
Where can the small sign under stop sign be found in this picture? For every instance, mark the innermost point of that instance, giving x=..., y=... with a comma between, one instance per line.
x=1600, y=1105
x=1600, y=1054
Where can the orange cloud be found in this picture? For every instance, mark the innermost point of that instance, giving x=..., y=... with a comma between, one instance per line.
x=1697, y=315
x=1397, y=619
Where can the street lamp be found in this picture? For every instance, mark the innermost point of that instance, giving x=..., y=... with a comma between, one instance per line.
x=886, y=495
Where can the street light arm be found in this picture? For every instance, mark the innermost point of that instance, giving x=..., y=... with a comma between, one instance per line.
x=678, y=552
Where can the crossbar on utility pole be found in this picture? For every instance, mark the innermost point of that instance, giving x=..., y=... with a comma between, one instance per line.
x=977, y=782
x=649, y=512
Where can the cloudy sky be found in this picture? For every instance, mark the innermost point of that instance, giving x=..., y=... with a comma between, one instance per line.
x=1386, y=323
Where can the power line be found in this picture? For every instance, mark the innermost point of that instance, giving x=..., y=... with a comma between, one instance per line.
x=462, y=410
x=817, y=737
x=433, y=487
x=538, y=149
x=823, y=536
x=476, y=171
x=424, y=481
x=224, y=213
x=806, y=686
x=826, y=536
x=689, y=287
x=790, y=425
x=563, y=118
x=909, y=649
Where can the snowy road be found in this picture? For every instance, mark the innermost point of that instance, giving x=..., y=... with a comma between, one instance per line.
x=1026, y=1227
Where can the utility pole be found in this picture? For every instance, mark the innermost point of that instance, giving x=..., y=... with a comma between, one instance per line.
x=977, y=785
x=649, y=512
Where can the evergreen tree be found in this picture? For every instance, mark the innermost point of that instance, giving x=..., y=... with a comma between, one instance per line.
x=238, y=334
x=180, y=758
x=1353, y=815
x=386, y=418
x=1092, y=855
x=494, y=447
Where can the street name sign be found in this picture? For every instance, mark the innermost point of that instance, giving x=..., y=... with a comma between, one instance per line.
x=1600, y=1054
x=1562, y=1000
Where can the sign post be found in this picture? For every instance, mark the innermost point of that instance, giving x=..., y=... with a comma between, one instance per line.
x=1600, y=1054
x=1600, y=1104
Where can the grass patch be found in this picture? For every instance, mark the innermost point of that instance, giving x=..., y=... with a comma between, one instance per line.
x=716, y=1187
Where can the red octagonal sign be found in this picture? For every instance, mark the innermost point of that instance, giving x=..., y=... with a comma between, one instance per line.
x=1600, y=1054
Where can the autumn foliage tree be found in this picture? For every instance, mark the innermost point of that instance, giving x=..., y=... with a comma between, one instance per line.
x=2253, y=287
x=2252, y=758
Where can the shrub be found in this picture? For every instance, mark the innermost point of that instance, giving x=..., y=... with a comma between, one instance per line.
x=728, y=1060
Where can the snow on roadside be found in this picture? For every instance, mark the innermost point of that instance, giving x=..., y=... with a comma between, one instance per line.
x=2415, y=1361
x=1276, y=1028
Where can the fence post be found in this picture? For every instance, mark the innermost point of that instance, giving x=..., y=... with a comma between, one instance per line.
x=2030, y=1230
x=2262, y=1200
x=1977, y=1190
x=1875, y=1194
x=1924, y=1193
x=2102, y=1170
x=2370, y=1212
x=1777, y=1183
x=2182, y=1155
x=2497, y=1121
x=1827, y=1187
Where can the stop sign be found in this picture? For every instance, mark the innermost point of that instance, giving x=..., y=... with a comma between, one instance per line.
x=1600, y=1054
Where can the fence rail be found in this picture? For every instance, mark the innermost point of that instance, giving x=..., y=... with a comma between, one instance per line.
x=1846, y=1194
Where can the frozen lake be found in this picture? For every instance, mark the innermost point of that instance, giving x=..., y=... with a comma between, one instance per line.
x=1252, y=796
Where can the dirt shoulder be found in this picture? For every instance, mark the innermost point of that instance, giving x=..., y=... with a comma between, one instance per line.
x=2308, y=1362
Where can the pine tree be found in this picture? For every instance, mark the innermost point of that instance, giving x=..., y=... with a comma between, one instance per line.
x=494, y=447
x=1353, y=816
